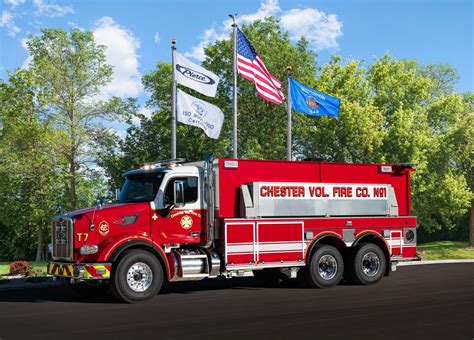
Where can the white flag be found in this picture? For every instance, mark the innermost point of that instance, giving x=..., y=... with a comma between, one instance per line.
x=196, y=112
x=195, y=76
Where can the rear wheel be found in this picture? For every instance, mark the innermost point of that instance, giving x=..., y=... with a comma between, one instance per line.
x=368, y=264
x=325, y=267
x=138, y=276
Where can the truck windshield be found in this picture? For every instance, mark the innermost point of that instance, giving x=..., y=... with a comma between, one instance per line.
x=140, y=187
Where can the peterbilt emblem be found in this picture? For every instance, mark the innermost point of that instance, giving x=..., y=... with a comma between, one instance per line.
x=194, y=75
x=103, y=228
x=186, y=222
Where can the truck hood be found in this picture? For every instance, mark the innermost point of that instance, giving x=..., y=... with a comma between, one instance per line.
x=90, y=211
x=111, y=214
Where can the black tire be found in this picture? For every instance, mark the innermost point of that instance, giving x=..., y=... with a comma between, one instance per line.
x=368, y=264
x=329, y=260
x=268, y=277
x=139, y=264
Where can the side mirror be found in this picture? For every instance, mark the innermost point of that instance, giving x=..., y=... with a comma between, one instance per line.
x=117, y=194
x=178, y=193
x=100, y=203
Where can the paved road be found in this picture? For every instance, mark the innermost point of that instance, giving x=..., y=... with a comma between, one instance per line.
x=420, y=302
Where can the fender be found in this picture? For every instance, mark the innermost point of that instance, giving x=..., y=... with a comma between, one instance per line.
x=114, y=252
x=379, y=237
x=372, y=233
x=319, y=237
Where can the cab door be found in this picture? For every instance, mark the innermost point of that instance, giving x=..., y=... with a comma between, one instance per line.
x=179, y=223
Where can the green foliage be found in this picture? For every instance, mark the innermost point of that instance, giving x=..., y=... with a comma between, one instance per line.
x=393, y=111
x=50, y=117
x=70, y=69
x=30, y=167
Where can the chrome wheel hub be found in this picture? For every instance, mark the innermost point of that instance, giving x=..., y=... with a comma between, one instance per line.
x=139, y=277
x=370, y=264
x=327, y=267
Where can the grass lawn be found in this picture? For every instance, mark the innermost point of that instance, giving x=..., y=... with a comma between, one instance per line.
x=444, y=250
x=38, y=267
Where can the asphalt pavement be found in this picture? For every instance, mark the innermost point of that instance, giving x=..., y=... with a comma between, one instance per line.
x=419, y=302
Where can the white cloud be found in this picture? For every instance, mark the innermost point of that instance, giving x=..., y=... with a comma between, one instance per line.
x=7, y=22
x=144, y=111
x=157, y=38
x=267, y=8
x=26, y=62
x=209, y=36
x=121, y=53
x=51, y=9
x=322, y=30
x=14, y=3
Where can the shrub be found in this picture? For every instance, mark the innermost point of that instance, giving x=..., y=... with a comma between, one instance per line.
x=20, y=268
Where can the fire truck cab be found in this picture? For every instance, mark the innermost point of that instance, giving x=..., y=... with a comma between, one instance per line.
x=313, y=221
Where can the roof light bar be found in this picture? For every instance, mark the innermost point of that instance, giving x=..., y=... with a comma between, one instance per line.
x=165, y=162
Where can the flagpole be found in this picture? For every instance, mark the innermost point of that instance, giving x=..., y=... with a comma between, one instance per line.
x=288, y=109
x=234, y=110
x=173, y=104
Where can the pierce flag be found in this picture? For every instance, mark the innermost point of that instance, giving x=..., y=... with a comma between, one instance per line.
x=195, y=77
x=196, y=112
x=312, y=102
x=252, y=68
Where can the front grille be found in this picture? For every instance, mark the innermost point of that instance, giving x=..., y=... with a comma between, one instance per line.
x=62, y=239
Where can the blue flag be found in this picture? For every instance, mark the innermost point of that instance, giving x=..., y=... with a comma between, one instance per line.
x=311, y=102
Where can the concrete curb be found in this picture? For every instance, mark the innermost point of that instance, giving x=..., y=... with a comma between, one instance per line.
x=23, y=283
x=419, y=263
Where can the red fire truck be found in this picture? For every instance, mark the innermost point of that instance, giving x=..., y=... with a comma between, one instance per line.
x=308, y=220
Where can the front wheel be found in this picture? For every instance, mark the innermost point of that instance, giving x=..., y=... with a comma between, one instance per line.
x=325, y=267
x=138, y=276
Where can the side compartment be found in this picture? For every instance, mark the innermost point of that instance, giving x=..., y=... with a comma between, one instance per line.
x=251, y=244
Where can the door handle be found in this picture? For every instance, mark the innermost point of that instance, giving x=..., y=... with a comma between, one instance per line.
x=194, y=233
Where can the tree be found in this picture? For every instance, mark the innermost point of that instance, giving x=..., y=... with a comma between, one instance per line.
x=30, y=169
x=394, y=111
x=425, y=123
x=70, y=69
x=357, y=135
x=151, y=140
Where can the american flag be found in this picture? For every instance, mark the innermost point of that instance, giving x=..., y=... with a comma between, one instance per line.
x=252, y=68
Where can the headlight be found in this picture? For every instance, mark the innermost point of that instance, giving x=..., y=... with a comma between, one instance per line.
x=88, y=249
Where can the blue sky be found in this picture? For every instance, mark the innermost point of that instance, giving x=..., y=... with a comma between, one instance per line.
x=138, y=32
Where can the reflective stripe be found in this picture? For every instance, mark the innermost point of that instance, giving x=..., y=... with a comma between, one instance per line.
x=265, y=247
x=90, y=271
